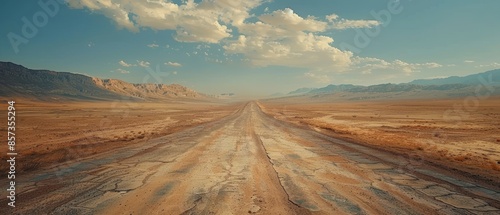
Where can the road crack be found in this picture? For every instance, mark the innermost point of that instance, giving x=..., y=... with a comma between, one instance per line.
x=259, y=141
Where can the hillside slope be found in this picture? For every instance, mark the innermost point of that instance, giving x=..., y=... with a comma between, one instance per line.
x=19, y=81
x=156, y=91
x=486, y=83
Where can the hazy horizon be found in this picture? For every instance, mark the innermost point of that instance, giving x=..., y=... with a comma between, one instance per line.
x=254, y=48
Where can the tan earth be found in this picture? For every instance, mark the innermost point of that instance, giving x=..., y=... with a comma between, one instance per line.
x=453, y=132
x=252, y=158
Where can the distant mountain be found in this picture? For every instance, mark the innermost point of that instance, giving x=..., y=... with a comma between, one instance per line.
x=385, y=88
x=301, y=91
x=468, y=80
x=333, y=88
x=146, y=91
x=18, y=81
x=441, y=87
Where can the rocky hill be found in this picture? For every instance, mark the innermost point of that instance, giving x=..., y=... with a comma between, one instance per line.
x=18, y=81
x=146, y=91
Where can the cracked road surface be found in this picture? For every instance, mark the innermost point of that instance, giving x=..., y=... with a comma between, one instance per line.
x=249, y=162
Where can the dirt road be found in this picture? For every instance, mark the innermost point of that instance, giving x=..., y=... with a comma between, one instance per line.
x=249, y=162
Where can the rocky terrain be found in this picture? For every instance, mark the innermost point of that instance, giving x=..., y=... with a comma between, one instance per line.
x=151, y=91
x=18, y=81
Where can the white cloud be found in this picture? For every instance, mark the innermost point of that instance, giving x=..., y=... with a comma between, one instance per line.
x=431, y=65
x=438, y=77
x=371, y=65
x=491, y=65
x=153, y=45
x=320, y=78
x=121, y=71
x=174, y=72
x=288, y=20
x=125, y=64
x=285, y=39
x=277, y=38
x=345, y=24
x=339, y=23
x=173, y=64
x=143, y=63
x=205, y=21
x=332, y=17
x=469, y=61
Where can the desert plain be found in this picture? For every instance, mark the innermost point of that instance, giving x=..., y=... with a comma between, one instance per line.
x=272, y=156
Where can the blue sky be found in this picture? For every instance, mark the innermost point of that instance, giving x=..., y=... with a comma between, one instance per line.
x=255, y=47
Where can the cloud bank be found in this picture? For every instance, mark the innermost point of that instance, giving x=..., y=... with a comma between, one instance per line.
x=274, y=38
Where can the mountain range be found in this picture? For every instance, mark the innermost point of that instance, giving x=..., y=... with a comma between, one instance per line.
x=19, y=81
x=450, y=86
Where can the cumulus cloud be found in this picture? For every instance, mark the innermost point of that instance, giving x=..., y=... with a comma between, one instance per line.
x=469, y=61
x=173, y=64
x=143, y=63
x=125, y=64
x=339, y=23
x=332, y=17
x=288, y=20
x=371, y=65
x=284, y=38
x=206, y=21
x=275, y=38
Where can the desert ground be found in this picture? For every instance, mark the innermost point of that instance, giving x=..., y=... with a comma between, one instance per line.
x=260, y=157
x=452, y=132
